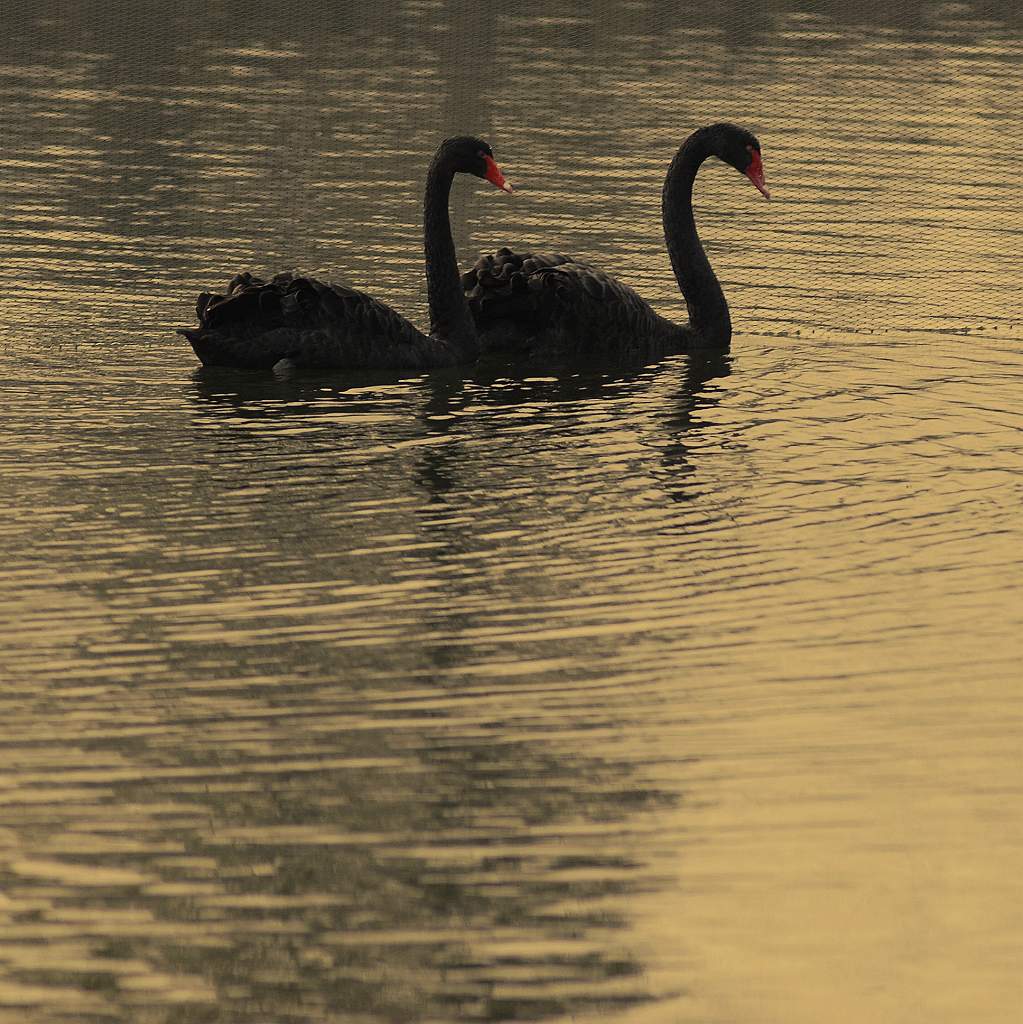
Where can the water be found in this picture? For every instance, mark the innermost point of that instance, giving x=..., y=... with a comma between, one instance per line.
x=679, y=694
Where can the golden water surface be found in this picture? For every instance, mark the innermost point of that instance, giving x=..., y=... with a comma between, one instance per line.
x=679, y=694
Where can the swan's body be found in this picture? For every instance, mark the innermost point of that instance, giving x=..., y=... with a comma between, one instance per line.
x=312, y=324
x=318, y=325
x=554, y=304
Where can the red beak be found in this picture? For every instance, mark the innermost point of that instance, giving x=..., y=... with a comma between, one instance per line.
x=755, y=173
x=494, y=175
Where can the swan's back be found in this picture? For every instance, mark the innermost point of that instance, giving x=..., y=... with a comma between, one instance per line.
x=554, y=303
x=309, y=322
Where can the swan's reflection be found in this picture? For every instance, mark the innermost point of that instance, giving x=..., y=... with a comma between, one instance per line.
x=683, y=420
x=220, y=390
x=436, y=404
x=480, y=774
x=490, y=862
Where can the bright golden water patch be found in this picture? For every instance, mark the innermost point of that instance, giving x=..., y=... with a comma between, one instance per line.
x=685, y=693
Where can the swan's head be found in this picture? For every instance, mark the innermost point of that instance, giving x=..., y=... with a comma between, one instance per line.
x=474, y=156
x=740, y=148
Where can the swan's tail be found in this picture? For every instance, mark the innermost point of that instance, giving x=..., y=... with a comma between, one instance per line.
x=208, y=346
x=237, y=329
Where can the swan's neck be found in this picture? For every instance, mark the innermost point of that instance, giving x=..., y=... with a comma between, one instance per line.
x=450, y=318
x=708, y=310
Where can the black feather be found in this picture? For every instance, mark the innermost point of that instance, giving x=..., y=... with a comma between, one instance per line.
x=312, y=323
x=553, y=303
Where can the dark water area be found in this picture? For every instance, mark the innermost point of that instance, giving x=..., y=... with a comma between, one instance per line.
x=677, y=693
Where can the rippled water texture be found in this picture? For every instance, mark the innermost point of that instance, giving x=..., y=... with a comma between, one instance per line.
x=685, y=694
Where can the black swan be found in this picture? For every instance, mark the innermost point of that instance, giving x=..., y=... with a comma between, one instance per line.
x=554, y=304
x=316, y=325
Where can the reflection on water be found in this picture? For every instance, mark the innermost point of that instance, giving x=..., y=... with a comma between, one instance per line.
x=656, y=694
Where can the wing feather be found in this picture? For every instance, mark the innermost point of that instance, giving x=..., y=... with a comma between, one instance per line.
x=257, y=323
x=555, y=302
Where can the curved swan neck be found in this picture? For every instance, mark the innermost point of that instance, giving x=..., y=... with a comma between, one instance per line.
x=450, y=318
x=708, y=310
